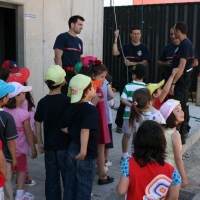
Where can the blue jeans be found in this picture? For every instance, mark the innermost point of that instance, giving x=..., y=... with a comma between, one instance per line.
x=55, y=164
x=79, y=175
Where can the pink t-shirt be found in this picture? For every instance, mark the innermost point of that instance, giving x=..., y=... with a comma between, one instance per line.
x=20, y=115
x=24, y=105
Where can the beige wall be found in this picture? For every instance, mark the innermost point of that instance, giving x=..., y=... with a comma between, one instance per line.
x=52, y=19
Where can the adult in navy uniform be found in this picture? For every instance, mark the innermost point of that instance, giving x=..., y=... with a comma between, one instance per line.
x=68, y=48
x=135, y=53
x=166, y=56
x=183, y=59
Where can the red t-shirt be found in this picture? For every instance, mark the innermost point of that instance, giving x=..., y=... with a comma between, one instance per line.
x=2, y=178
x=157, y=104
x=149, y=182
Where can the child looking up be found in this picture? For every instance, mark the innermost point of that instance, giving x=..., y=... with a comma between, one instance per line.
x=173, y=114
x=82, y=124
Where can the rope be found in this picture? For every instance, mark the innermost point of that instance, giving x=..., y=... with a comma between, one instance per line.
x=120, y=43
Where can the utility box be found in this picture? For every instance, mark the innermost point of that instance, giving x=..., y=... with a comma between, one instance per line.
x=198, y=91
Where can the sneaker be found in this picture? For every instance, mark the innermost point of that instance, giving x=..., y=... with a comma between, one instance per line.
x=30, y=182
x=108, y=163
x=26, y=196
x=119, y=130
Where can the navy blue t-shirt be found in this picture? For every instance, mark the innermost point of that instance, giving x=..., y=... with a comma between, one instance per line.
x=135, y=53
x=83, y=116
x=167, y=55
x=184, y=50
x=72, y=48
x=50, y=110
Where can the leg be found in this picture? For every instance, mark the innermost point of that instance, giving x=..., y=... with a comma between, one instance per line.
x=101, y=159
x=119, y=116
x=108, y=146
x=85, y=178
x=52, y=181
x=8, y=190
x=21, y=177
x=125, y=140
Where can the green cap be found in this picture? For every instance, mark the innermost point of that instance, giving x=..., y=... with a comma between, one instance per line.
x=55, y=73
x=78, y=67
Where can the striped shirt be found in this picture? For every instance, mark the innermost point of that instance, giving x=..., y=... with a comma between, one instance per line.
x=128, y=94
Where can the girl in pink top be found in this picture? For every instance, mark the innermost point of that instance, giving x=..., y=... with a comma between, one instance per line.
x=25, y=139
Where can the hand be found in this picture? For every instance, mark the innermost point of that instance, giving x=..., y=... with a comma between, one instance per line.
x=41, y=148
x=184, y=183
x=128, y=62
x=113, y=89
x=169, y=62
x=14, y=162
x=175, y=71
x=80, y=156
x=171, y=91
x=116, y=33
x=34, y=153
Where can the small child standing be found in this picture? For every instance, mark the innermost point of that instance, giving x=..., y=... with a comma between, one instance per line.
x=50, y=110
x=138, y=74
x=142, y=110
x=81, y=122
x=173, y=114
x=7, y=126
x=25, y=139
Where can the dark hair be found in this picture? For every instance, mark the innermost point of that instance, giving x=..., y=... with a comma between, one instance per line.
x=182, y=26
x=109, y=78
x=171, y=121
x=84, y=71
x=96, y=69
x=74, y=19
x=29, y=99
x=50, y=84
x=85, y=90
x=149, y=144
x=3, y=97
x=135, y=28
x=155, y=92
x=4, y=74
x=141, y=98
x=11, y=104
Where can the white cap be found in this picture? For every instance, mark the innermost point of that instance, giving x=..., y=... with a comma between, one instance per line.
x=18, y=89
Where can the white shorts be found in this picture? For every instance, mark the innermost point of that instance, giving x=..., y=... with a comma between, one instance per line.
x=126, y=128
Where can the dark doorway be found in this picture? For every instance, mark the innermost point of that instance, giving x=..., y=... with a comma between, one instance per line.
x=7, y=34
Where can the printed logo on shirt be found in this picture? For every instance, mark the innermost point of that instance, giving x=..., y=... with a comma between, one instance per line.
x=176, y=50
x=157, y=188
x=79, y=46
x=139, y=53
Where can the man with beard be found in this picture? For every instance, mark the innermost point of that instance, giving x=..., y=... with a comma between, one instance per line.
x=68, y=48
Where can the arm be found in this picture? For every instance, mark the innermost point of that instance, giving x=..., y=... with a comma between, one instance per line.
x=110, y=92
x=115, y=50
x=2, y=164
x=129, y=63
x=173, y=192
x=39, y=137
x=176, y=142
x=167, y=85
x=84, y=143
x=12, y=149
x=122, y=186
x=58, y=56
x=196, y=62
x=30, y=138
x=125, y=102
x=164, y=64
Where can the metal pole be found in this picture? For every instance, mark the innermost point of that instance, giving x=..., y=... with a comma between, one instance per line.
x=111, y=2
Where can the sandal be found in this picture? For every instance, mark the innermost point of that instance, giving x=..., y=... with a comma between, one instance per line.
x=105, y=181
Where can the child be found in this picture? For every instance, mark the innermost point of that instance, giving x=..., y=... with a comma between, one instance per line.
x=25, y=139
x=50, y=110
x=97, y=71
x=108, y=95
x=146, y=175
x=12, y=66
x=81, y=120
x=138, y=74
x=142, y=110
x=7, y=126
x=173, y=114
x=2, y=172
x=28, y=105
x=158, y=93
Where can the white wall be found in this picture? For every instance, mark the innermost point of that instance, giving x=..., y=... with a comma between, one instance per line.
x=52, y=19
